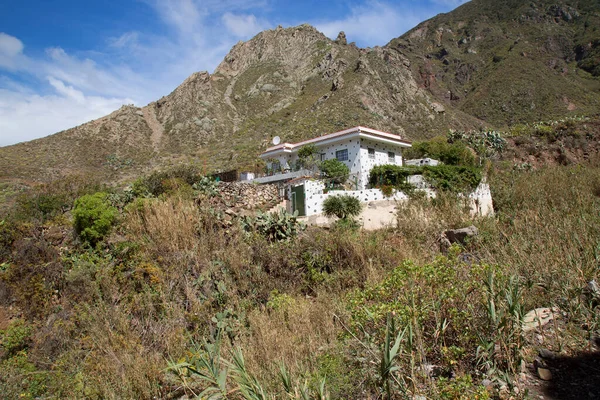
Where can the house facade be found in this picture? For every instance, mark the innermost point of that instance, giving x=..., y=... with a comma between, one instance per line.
x=360, y=148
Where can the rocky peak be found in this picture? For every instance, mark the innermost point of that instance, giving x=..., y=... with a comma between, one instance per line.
x=287, y=46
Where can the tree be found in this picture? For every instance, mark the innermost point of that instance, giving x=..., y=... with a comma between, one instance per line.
x=335, y=170
x=307, y=156
x=344, y=207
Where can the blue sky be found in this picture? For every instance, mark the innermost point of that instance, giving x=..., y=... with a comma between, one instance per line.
x=65, y=62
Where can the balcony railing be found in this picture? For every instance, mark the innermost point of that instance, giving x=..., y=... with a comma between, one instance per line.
x=284, y=176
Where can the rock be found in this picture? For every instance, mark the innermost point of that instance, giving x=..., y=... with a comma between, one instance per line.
x=460, y=235
x=539, y=363
x=544, y=374
x=539, y=317
x=269, y=87
x=341, y=38
x=337, y=83
x=547, y=354
x=444, y=244
x=487, y=383
x=438, y=108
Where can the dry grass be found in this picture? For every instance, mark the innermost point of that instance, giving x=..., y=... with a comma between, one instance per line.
x=295, y=334
x=167, y=226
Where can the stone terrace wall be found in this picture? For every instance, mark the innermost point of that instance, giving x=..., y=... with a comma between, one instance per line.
x=249, y=196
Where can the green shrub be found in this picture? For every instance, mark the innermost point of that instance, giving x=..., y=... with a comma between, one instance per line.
x=486, y=143
x=343, y=206
x=335, y=170
x=307, y=156
x=438, y=148
x=452, y=178
x=391, y=175
x=14, y=338
x=160, y=182
x=93, y=217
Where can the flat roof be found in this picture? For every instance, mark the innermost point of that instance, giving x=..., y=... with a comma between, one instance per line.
x=289, y=147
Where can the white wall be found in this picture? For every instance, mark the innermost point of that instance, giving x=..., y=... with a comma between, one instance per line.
x=314, y=203
x=381, y=158
x=358, y=161
x=480, y=200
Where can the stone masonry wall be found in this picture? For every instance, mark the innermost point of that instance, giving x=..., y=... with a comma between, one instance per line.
x=249, y=196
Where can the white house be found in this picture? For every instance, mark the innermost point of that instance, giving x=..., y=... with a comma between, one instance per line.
x=359, y=148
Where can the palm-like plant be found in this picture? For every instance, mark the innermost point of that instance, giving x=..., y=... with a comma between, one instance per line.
x=343, y=207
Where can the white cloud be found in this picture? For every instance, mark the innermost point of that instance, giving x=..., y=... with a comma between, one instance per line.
x=11, y=50
x=67, y=91
x=10, y=45
x=374, y=23
x=25, y=116
x=243, y=26
x=128, y=39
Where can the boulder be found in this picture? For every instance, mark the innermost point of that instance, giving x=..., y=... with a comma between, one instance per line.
x=460, y=235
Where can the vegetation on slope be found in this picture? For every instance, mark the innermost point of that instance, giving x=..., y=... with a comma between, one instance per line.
x=370, y=312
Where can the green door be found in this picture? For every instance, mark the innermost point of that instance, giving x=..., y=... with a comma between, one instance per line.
x=298, y=200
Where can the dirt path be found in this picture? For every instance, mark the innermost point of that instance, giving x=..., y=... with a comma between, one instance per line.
x=228, y=91
x=155, y=126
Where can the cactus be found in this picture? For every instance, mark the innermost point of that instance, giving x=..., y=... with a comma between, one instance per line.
x=274, y=226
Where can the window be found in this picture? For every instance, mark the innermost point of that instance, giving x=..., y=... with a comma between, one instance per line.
x=342, y=155
x=322, y=157
x=391, y=157
x=276, y=166
x=371, y=153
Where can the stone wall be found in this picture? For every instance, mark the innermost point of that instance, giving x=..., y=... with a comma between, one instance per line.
x=249, y=196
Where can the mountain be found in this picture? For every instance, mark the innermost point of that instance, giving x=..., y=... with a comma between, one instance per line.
x=488, y=63
x=510, y=61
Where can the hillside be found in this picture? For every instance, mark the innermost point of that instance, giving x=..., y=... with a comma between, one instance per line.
x=486, y=63
x=174, y=288
x=510, y=61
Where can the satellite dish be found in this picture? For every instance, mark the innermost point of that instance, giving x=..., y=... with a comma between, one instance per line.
x=276, y=140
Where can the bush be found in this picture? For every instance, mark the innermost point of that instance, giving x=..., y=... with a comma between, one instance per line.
x=47, y=201
x=160, y=182
x=486, y=143
x=93, y=217
x=343, y=206
x=335, y=170
x=452, y=178
x=307, y=156
x=15, y=337
x=390, y=175
x=438, y=148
